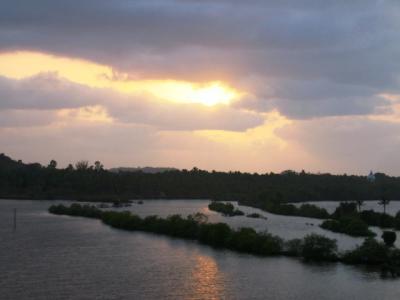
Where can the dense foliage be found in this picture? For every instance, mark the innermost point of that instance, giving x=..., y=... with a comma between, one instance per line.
x=383, y=220
x=91, y=182
x=350, y=220
x=316, y=247
x=305, y=210
x=372, y=252
x=227, y=209
x=351, y=226
x=389, y=237
x=345, y=210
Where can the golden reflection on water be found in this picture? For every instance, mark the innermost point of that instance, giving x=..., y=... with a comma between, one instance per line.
x=207, y=280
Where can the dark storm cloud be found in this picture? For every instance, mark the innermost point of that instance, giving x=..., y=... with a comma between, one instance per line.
x=348, y=44
x=303, y=99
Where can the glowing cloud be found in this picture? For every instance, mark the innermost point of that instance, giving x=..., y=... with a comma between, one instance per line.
x=100, y=76
x=86, y=114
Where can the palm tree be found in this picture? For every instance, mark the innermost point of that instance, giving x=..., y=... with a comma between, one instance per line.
x=384, y=201
x=359, y=203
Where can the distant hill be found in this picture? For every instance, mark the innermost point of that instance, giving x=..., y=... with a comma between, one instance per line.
x=150, y=170
x=7, y=163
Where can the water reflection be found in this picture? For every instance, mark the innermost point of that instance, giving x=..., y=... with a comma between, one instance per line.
x=54, y=257
x=207, y=280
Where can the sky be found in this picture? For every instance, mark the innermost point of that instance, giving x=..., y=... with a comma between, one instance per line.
x=255, y=86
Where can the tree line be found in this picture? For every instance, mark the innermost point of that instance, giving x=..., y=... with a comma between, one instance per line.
x=90, y=181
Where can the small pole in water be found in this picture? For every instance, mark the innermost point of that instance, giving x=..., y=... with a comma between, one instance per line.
x=15, y=219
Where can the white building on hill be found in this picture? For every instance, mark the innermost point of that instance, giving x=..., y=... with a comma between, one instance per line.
x=371, y=176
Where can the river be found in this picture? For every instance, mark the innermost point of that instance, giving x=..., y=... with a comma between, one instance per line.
x=61, y=257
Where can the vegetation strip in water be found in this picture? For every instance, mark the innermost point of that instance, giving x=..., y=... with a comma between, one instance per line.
x=226, y=209
x=345, y=219
x=313, y=247
x=350, y=226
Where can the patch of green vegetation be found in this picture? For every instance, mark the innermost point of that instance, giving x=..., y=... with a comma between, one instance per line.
x=389, y=237
x=226, y=209
x=348, y=225
x=305, y=210
x=373, y=218
x=371, y=252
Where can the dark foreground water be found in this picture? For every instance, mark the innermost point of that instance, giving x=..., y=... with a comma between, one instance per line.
x=59, y=257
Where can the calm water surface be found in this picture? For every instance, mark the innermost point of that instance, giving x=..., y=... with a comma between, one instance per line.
x=60, y=257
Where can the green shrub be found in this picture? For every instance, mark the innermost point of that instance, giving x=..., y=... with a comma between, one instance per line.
x=389, y=237
x=370, y=252
x=345, y=209
x=294, y=247
x=269, y=244
x=349, y=225
x=305, y=210
x=319, y=248
x=217, y=235
x=227, y=209
x=245, y=239
x=378, y=219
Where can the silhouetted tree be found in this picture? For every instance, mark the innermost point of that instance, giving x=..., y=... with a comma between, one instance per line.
x=98, y=166
x=52, y=164
x=82, y=165
x=384, y=201
x=359, y=203
x=389, y=237
x=317, y=247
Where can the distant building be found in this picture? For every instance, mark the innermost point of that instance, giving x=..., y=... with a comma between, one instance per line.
x=371, y=176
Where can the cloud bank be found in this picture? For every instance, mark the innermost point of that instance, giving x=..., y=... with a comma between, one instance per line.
x=325, y=68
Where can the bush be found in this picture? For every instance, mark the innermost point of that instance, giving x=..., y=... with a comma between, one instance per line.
x=269, y=244
x=294, y=247
x=245, y=240
x=217, y=235
x=389, y=237
x=373, y=218
x=349, y=225
x=345, y=209
x=370, y=252
x=226, y=209
x=319, y=248
x=313, y=211
x=305, y=210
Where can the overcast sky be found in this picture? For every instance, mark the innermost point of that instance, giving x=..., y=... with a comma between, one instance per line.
x=130, y=83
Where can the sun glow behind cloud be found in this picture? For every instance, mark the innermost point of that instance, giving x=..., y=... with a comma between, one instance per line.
x=19, y=65
x=254, y=138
